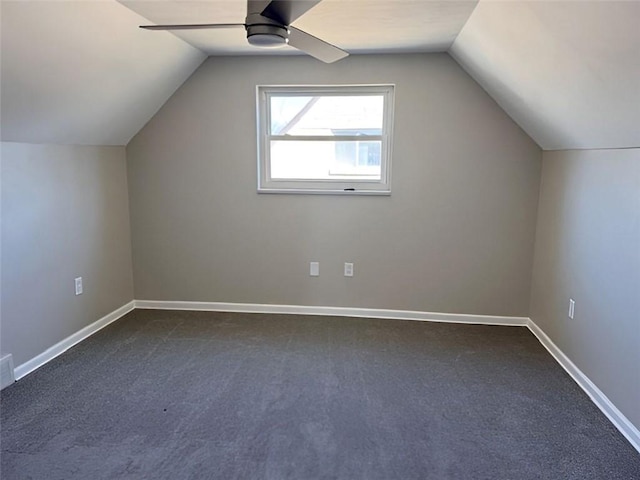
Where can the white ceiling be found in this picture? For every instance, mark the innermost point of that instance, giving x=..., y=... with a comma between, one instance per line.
x=83, y=72
x=567, y=72
x=357, y=26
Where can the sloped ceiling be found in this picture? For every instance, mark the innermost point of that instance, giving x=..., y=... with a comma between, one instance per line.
x=83, y=73
x=567, y=71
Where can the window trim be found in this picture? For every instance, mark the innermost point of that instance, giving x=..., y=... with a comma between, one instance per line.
x=323, y=186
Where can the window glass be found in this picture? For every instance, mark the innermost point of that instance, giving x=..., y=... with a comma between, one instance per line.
x=325, y=139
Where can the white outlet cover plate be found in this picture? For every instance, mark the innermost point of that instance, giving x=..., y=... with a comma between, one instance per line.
x=572, y=307
x=348, y=269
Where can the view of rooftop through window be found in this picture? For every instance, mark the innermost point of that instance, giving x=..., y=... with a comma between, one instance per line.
x=326, y=136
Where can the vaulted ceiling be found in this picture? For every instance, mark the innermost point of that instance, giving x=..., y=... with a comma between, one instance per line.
x=84, y=73
x=567, y=71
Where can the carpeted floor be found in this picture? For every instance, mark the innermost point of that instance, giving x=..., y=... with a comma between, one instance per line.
x=190, y=395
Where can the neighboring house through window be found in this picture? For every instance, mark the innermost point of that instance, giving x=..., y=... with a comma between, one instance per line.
x=329, y=139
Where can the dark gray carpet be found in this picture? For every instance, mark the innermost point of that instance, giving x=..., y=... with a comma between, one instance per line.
x=182, y=395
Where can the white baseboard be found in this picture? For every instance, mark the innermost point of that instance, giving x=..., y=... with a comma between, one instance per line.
x=333, y=312
x=62, y=346
x=6, y=371
x=600, y=399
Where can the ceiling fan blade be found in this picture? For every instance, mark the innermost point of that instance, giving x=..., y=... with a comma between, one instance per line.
x=314, y=46
x=195, y=26
x=287, y=11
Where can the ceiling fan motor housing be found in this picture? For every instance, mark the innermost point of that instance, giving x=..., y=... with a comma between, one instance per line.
x=264, y=32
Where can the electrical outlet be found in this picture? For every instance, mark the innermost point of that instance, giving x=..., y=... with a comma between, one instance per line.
x=572, y=307
x=78, y=282
x=314, y=269
x=348, y=269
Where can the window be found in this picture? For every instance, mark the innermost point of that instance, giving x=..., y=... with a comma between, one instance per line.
x=325, y=139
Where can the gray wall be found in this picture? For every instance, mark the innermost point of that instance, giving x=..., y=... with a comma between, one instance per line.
x=456, y=235
x=64, y=214
x=588, y=249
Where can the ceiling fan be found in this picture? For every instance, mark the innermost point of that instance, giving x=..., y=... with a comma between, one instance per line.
x=268, y=24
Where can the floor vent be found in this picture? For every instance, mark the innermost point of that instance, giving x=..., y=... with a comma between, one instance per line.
x=6, y=371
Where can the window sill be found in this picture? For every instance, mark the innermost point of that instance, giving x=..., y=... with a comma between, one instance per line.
x=303, y=191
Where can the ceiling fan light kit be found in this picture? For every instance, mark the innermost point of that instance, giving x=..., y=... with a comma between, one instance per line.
x=270, y=27
x=266, y=39
x=265, y=33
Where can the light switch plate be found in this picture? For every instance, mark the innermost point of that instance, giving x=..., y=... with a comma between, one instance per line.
x=314, y=269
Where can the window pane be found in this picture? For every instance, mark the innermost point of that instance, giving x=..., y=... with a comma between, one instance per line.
x=327, y=115
x=325, y=139
x=325, y=160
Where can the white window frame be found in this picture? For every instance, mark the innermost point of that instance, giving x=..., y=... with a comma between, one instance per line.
x=336, y=186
